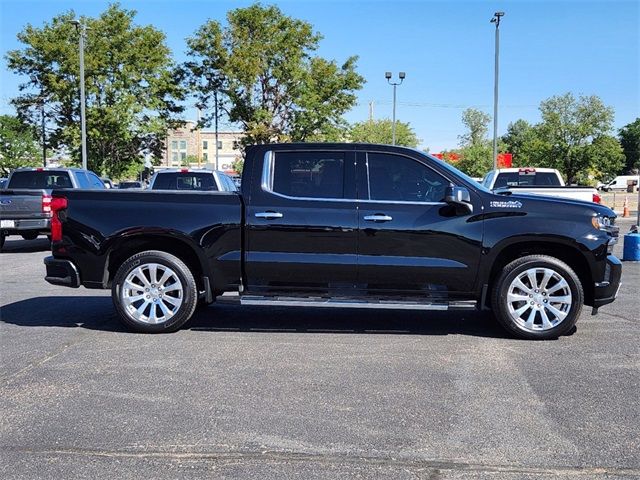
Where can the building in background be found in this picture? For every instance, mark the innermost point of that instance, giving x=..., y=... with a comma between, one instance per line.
x=188, y=146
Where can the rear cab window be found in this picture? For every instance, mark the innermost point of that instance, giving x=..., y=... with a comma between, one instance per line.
x=199, y=181
x=526, y=178
x=40, y=180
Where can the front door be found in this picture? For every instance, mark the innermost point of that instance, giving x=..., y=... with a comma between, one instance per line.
x=302, y=223
x=409, y=241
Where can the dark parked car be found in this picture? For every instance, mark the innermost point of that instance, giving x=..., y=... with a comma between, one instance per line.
x=25, y=204
x=340, y=225
x=130, y=185
x=192, y=179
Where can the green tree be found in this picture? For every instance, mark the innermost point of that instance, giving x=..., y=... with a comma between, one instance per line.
x=18, y=145
x=477, y=124
x=630, y=141
x=521, y=140
x=261, y=66
x=189, y=160
x=475, y=160
x=569, y=128
x=131, y=89
x=475, y=152
x=238, y=165
x=381, y=131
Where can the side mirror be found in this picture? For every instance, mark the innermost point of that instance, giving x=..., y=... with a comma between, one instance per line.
x=459, y=198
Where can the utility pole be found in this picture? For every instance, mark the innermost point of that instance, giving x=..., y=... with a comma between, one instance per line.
x=44, y=144
x=215, y=114
x=371, y=111
x=401, y=76
x=496, y=19
x=82, y=29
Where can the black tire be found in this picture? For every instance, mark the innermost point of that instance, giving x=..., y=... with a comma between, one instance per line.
x=2, y=237
x=145, y=262
x=29, y=235
x=537, y=298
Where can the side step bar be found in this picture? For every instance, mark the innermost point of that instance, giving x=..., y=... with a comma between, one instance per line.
x=356, y=303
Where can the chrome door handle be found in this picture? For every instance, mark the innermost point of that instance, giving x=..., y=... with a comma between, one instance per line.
x=269, y=215
x=378, y=218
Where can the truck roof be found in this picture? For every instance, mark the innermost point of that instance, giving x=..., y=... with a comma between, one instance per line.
x=526, y=169
x=50, y=169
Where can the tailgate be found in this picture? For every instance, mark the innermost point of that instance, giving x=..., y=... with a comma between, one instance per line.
x=17, y=204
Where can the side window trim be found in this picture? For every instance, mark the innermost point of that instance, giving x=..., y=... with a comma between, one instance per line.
x=268, y=167
x=399, y=202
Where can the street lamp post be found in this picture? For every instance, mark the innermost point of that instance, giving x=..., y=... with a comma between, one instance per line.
x=496, y=19
x=82, y=29
x=401, y=76
x=215, y=114
x=44, y=142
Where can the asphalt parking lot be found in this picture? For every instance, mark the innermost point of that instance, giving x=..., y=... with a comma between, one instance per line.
x=279, y=393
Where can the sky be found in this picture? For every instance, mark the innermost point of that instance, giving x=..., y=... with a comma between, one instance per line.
x=446, y=49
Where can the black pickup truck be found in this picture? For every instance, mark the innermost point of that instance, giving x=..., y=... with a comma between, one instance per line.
x=339, y=225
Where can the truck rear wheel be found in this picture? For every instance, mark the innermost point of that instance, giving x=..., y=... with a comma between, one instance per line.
x=30, y=235
x=537, y=297
x=154, y=292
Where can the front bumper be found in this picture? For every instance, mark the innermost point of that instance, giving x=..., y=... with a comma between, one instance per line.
x=61, y=272
x=606, y=291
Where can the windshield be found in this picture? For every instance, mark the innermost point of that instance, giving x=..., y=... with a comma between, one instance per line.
x=457, y=173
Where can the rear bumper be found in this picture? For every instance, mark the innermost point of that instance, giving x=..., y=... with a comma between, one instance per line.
x=61, y=272
x=606, y=291
x=17, y=225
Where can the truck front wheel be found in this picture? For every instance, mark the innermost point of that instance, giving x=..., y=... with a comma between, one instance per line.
x=537, y=297
x=154, y=292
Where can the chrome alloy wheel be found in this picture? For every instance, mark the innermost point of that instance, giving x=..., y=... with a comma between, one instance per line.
x=152, y=293
x=539, y=299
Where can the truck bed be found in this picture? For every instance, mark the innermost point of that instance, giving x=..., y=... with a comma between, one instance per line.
x=97, y=222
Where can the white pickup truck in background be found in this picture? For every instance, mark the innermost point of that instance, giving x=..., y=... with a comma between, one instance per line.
x=539, y=181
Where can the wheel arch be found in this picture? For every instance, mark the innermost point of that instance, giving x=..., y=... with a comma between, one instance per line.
x=127, y=245
x=568, y=254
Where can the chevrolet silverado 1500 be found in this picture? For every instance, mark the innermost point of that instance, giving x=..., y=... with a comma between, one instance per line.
x=339, y=225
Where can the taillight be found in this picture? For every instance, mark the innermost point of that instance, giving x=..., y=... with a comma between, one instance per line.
x=57, y=204
x=184, y=170
x=596, y=198
x=46, y=203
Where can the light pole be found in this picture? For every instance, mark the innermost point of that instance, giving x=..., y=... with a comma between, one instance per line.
x=496, y=19
x=215, y=114
x=44, y=141
x=82, y=29
x=401, y=76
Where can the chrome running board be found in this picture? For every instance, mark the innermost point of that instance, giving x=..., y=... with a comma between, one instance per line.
x=355, y=303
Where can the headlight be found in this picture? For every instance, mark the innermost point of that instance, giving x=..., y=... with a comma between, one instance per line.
x=600, y=223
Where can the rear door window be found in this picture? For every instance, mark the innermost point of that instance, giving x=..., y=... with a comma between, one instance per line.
x=309, y=174
x=43, y=180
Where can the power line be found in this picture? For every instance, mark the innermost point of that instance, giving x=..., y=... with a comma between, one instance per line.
x=447, y=105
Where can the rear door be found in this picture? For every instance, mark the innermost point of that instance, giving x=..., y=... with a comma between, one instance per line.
x=410, y=242
x=301, y=222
